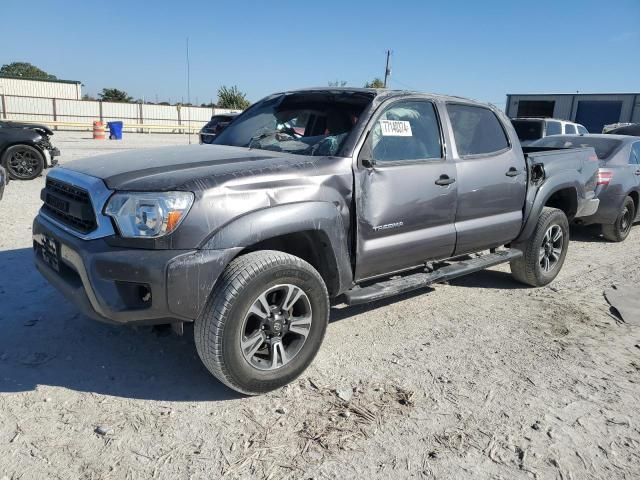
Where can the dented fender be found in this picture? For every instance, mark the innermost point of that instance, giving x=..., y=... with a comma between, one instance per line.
x=311, y=216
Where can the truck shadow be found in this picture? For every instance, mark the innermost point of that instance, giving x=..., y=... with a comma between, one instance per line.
x=588, y=233
x=45, y=341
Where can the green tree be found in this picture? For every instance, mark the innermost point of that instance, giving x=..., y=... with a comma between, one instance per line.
x=231, y=97
x=375, y=83
x=114, y=95
x=25, y=70
x=338, y=83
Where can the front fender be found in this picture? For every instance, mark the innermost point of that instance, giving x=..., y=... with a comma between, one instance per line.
x=271, y=222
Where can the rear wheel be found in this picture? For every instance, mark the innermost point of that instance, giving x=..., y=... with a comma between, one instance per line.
x=264, y=323
x=544, y=252
x=23, y=162
x=619, y=230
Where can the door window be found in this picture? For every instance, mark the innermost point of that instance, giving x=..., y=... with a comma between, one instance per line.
x=476, y=130
x=634, y=158
x=554, y=128
x=407, y=131
x=569, y=129
x=582, y=130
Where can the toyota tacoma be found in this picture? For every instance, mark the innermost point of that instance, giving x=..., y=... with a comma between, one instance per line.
x=308, y=198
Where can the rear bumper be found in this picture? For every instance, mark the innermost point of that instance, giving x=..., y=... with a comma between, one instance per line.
x=129, y=286
x=607, y=212
x=588, y=207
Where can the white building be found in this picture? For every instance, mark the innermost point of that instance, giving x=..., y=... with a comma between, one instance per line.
x=593, y=110
x=20, y=87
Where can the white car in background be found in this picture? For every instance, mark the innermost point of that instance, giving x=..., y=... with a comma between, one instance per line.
x=532, y=129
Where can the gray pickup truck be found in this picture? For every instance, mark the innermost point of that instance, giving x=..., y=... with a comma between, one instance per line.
x=308, y=197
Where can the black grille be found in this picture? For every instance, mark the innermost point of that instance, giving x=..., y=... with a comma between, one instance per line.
x=69, y=205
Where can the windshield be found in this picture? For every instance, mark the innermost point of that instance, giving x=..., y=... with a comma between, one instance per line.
x=528, y=129
x=604, y=147
x=305, y=123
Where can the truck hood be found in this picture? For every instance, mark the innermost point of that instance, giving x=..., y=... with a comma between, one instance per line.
x=192, y=167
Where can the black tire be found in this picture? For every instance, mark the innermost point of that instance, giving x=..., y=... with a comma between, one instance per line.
x=531, y=268
x=23, y=162
x=619, y=230
x=221, y=327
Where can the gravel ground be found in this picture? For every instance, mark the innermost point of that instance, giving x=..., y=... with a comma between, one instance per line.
x=479, y=378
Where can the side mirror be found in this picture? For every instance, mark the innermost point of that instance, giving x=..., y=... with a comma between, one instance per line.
x=367, y=162
x=366, y=155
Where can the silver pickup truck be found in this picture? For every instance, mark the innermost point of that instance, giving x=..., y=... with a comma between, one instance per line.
x=306, y=198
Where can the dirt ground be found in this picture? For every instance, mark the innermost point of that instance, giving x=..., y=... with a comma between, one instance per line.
x=480, y=378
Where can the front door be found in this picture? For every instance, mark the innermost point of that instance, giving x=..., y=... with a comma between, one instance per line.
x=405, y=191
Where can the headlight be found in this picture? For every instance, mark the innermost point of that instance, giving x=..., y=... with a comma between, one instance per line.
x=148, y=215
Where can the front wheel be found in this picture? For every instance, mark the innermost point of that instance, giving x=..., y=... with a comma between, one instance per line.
x=264, y=323
x=23, y=162
x=619, y=230
x=544, y=252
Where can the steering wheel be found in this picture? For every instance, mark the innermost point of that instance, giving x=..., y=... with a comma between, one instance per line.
x=291, y=132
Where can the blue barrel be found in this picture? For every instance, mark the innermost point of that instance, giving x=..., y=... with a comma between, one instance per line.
x=115, y=130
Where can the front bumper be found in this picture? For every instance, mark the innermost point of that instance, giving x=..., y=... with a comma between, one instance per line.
x=50, y=156
x=132, y=286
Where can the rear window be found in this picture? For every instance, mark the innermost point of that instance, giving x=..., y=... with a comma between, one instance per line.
x=476, y=130
x=554, y=128
x=604, y=147
x=528, y=129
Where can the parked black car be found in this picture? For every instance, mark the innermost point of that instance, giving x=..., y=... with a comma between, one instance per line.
x=618, y=179
x=26, y=150
x=215, y=126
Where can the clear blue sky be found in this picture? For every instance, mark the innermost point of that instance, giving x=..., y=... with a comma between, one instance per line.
x=479, y=49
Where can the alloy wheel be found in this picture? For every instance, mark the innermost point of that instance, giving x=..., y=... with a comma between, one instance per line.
x=625, y=220
x=276, y=327
x=23, y=163
x=551, y=248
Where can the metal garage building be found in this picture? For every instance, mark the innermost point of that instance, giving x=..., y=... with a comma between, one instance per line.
x=593, y=110
x=21, y=87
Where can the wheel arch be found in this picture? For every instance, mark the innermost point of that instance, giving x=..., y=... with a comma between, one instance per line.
x=635, y=196
x=313, y=231
x=560, y=193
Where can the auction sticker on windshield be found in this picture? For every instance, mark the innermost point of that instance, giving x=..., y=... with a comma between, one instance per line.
x=395, y=128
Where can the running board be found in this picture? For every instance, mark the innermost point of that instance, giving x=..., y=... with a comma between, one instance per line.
x=396, y=286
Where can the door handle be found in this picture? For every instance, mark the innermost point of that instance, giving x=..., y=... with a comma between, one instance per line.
x=512, y=172
x=445, y=180
x=637, y=172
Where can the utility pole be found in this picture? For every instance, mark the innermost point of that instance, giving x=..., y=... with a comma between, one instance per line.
x=387, y=70
x=188, y=94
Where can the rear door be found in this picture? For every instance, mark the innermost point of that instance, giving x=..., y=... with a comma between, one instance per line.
x=405, y=190
x=491, y=179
